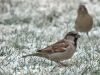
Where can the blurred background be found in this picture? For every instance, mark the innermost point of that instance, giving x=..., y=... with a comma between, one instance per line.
x=28, y=25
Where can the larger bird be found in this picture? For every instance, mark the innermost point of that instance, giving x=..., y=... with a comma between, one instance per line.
x=84, y=21
x=61, y=50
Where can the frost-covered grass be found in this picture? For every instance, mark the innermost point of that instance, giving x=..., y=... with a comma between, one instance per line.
x=29, y=25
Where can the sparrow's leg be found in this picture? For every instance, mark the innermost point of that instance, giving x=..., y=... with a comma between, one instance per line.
x=88, y=35
x=61, y=64
x=53, y=68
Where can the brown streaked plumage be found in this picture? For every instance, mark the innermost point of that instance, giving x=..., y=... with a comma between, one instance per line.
x=61, y=50
x=84, y=21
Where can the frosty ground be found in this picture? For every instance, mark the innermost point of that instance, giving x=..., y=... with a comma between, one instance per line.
x=30, y=25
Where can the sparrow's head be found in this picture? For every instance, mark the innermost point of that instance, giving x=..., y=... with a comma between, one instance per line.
x=82, y=10
x=73, y=36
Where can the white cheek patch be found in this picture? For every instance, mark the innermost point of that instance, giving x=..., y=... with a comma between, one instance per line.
x=65, y=49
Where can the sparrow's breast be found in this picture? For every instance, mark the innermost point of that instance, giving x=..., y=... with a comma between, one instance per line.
x=84, y=24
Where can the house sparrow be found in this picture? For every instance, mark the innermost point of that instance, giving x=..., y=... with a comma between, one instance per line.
x=84, y=20
x=61, y=50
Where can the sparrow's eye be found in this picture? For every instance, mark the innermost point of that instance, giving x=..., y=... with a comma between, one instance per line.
x=82, y=9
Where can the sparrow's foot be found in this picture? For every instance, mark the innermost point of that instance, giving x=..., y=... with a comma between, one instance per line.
x=88, y=35
x=63, y=65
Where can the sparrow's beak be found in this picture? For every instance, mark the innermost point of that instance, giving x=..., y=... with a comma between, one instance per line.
x=78, y=36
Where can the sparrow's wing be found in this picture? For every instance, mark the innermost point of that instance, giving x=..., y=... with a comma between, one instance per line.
x=57, y=47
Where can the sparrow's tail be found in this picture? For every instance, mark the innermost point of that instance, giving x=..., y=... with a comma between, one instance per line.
x=35, y=54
